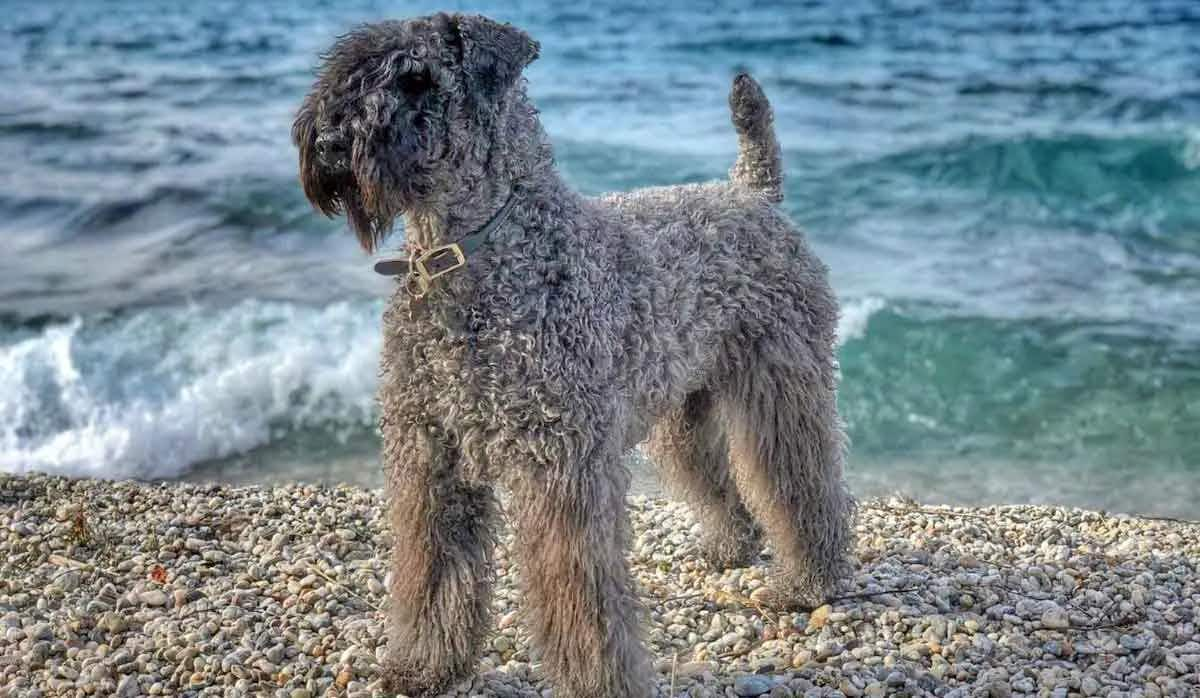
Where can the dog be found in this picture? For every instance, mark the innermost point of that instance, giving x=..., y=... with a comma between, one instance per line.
x=537, y=335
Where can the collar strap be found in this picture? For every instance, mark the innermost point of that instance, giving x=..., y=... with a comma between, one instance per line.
x=423, y=266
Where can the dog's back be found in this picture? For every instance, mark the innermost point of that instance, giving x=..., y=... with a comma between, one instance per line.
x=676, y=222
x=716, y=262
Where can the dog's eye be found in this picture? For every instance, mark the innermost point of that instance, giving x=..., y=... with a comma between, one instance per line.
x=414, y=84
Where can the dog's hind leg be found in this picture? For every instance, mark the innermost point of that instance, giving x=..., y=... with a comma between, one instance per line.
x=571, y=535
x=787, y=447
x=441, y=575
x=692, y=454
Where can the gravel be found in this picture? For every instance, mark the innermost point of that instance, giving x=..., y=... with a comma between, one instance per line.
x=128, y=589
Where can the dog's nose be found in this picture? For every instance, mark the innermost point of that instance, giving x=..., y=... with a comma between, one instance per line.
x=331, y=151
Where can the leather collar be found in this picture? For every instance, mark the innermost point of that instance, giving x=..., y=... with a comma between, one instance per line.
x=426, y=265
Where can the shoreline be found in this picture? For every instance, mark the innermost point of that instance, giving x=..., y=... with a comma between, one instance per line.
x=126, y=589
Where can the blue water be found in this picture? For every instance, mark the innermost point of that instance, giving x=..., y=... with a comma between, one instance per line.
x=1007, y=193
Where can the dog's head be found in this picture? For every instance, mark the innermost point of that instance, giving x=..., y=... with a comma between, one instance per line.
x=399, y=108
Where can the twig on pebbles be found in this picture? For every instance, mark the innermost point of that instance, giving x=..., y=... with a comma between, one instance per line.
x=870, y=595
x=928, y=511
x=1171, y=519
x=321, y=573
x=63, y=561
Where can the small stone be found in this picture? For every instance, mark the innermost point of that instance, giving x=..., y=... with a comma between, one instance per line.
x=128, y=687
x=752, y=685
x=114, y=623
x=507, y=620
x=1175, y=664
x=693, y=670
x=763, y=596
x=69, y=581
x=1055, y=618
x=819, y=617
x=39, y=632
x=153, y=597
x=769, y=664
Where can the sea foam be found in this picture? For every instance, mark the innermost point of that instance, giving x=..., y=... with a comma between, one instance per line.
x=149, y=394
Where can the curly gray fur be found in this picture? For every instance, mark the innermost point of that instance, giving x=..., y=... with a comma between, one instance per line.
x=695, y=316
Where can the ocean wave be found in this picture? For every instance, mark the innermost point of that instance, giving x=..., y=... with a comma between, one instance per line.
x=929, y=382
x=1080, y=165
x=1036, y=88
x=855, y=315
x=61, y=130
x=149, y=394
x=744, y=45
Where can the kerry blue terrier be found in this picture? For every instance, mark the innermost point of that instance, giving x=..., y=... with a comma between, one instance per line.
x=538, y=335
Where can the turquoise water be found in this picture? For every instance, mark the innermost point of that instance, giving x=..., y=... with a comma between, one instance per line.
x=1007, y=193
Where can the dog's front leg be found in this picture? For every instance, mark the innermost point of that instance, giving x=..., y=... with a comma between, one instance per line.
x=572, y=531
x=441, y=564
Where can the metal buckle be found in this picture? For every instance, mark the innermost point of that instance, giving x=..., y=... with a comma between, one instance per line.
x=433, y=263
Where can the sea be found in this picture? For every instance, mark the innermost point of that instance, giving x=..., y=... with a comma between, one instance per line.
x=1007, y=193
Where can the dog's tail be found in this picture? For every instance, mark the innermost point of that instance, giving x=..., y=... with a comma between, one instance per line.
x=759, y=166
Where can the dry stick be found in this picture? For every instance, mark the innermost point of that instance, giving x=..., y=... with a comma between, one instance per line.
x=674, y=664
x=932, y=512
x=830, y=601
x=349, y=590
x=1003, y=586
x=684, y=597
x=1101, y=622
x=968, y=515
x=368, y=653
x=1171, y=519
x=872, y=594
x=1104, y=622
x=64, y=561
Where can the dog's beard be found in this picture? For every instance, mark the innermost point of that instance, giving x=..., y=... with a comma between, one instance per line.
x=372, y=207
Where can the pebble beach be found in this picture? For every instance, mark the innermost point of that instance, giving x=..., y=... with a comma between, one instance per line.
x=129, y=589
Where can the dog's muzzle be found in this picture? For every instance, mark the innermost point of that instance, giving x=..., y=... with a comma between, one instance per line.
x=332, y=153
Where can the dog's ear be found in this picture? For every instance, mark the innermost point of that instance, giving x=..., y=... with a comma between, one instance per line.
x=493, y=54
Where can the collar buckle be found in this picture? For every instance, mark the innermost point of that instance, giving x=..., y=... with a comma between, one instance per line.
x=423, y=266
x=433, y=263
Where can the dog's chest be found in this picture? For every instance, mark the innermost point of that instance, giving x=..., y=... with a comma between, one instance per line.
x=477, y=379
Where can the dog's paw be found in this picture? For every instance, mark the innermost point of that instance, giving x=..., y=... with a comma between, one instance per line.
x=785, y=593
x=731, y=546
x=726, y=553
x=411, y=682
